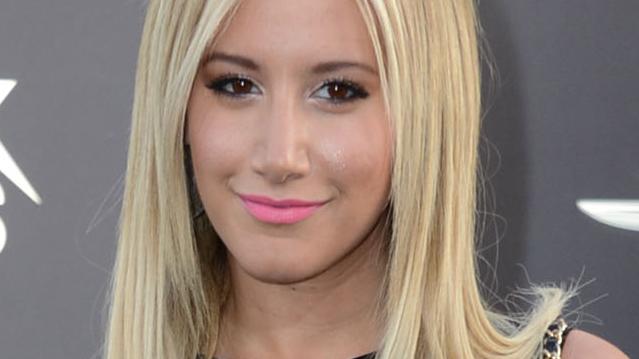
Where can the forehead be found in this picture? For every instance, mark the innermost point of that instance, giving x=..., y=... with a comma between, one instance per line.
x=298, y=30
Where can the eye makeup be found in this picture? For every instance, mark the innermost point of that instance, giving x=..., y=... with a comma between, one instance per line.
x=335, y=91
x=220, y=86
x=341, y=86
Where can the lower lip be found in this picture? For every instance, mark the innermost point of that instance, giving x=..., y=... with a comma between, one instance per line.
x=279, y=215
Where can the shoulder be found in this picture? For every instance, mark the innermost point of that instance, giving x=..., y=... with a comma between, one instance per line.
x=583, y=345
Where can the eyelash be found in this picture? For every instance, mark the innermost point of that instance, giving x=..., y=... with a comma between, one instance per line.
x=357, y=92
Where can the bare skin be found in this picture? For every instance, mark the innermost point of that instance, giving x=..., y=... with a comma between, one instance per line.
x=302, y=290
x=583, y=345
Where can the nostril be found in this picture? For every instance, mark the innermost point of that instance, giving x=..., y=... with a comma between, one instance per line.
x=279, y=167
x=284, y=178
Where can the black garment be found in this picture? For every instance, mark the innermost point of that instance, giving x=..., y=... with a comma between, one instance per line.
x=367, y=356
x=552, y=345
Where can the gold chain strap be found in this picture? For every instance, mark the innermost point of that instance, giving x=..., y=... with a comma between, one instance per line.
x=553, y=339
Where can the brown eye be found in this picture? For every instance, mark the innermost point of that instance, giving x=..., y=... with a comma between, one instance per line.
x=241, y=86
x=234, y=87
x=337, y=90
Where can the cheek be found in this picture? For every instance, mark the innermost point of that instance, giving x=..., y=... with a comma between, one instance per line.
x=216, y=138
x=215, y=148
x=358, y=157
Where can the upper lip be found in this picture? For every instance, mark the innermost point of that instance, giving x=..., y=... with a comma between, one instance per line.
x=279, y=203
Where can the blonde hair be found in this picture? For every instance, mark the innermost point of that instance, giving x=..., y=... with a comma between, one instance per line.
x=169, y=279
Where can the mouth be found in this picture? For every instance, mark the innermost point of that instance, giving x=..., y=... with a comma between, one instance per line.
x=268, y=210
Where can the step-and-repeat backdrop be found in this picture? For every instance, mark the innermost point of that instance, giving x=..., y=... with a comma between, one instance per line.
x=560, y=151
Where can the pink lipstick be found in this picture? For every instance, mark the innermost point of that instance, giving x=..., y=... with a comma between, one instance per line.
x=286, y=211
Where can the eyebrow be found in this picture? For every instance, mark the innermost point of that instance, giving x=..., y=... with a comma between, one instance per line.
x=321, y=68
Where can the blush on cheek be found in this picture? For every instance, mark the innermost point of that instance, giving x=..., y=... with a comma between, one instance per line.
x=220, y=142
x=218, y=160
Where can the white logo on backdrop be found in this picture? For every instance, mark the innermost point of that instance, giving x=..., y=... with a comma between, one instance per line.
x=619, y=213
x=10, y=169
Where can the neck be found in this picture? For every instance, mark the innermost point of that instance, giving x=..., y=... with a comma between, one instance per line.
x=333, y=314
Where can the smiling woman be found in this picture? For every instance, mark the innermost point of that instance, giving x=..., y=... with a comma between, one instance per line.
x=329, y=149
x=305, y=142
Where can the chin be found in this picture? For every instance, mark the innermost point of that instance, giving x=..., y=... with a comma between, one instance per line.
x=281, y=271
x=281, y=277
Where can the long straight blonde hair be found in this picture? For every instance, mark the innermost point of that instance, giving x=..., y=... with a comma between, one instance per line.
x=169, y=279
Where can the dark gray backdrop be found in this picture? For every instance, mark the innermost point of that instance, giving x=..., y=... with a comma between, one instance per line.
x=564, y=118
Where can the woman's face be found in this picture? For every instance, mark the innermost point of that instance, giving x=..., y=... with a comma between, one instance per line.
x=288, y=105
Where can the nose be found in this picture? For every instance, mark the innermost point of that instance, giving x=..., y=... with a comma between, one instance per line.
x=282, y=153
